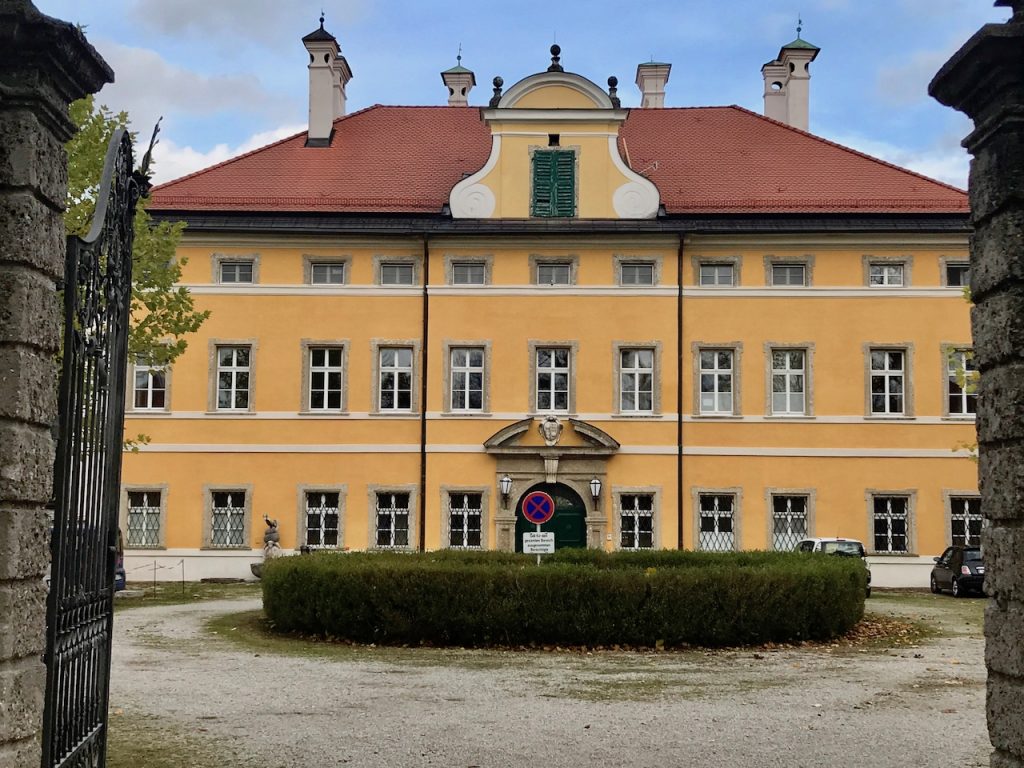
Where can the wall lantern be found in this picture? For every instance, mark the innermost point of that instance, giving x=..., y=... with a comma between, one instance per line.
x=505, y=486
x=595, y=491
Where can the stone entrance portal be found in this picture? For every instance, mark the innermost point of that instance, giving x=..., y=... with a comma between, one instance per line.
x=569, y=523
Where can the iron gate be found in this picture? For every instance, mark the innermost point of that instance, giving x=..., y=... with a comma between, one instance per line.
x=97, y=295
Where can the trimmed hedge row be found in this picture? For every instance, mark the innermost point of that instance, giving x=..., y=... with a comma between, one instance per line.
x=577, y=597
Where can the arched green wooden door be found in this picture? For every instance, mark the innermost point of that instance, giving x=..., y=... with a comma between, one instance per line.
x=569, y=522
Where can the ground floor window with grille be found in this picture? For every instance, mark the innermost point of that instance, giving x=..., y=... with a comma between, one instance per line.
x=789, y=521
x=717, y=532
x=227, y=519
x=322, y=517
x=636, y=518
x=966, y=520
x=465, y=512
x=392, y=519
x=891, y=523
x=143, y=519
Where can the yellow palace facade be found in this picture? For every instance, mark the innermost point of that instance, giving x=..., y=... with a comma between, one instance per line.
x=698, y=328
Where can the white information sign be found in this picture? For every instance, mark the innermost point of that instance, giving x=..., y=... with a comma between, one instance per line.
x=540, y=543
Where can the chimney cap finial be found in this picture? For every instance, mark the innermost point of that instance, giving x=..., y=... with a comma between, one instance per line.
x=799, y=26
x=556, y=58
x=321, y=18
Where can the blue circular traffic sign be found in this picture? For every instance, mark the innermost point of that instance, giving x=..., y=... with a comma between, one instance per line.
x=538, y=507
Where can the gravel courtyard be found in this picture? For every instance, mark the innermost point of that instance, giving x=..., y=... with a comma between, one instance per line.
x=198, y=685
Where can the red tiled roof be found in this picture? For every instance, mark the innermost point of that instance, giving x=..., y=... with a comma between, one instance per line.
x=703, y=160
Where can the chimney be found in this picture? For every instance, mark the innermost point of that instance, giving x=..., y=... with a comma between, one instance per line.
x=460, y=82
x=775, y=76
x=329, y=73
x=651, y=78
x=793, y=65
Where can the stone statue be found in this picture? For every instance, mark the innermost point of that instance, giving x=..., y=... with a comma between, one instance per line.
x=551, y=430
x=271, y=545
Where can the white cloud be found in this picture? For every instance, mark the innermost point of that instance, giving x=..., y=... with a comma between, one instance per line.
x=944, y=161
x=907, y=82
x=172, y=161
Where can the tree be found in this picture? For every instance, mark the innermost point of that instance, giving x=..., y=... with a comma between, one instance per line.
x=162, y=312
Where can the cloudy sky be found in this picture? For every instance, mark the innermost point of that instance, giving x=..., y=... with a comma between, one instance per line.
x=230, y=75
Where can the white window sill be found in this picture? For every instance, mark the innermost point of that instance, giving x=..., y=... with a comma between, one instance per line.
x=712, y=416
x=231, y=412
x=467, y=414
x=965, y=419
x=790, y=417
x=323, y=412
x=884, y=417
x=636, y=415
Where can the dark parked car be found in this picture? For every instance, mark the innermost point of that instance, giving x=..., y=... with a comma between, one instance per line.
x=960, y=570
x=837, y=546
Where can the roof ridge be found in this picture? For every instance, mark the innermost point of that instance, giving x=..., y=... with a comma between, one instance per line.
x=851, y=150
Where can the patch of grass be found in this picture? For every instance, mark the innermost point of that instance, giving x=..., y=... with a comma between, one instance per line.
x=940, y=615
x=144, y=741
x=171, y=593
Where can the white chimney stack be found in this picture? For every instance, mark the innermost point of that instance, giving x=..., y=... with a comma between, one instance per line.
x=651, y=79
x=787, y=83
x=329, y=73
x=775, y=77
x=460, y=82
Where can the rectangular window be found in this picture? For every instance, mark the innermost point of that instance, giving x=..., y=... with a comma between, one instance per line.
x=636, y=520
x=327, y=273
x=891, y=518
x=143, y=519
x=554, y=273
x=325, y=378
x=636, y=380
x=962, y=383
x=467, y=384
x=236, y=271
x=322, y=518
x=553, y=379
x=227, y=519
x=713, y=273
x=465, y=511
x=636, y=273
x=789, y=377
x=397, y=273
x=789, y=274
x=150, y=387
x=789, y=521
x=716, y=522
x=887, y=380
x=966, y=520
x=469, y=273
x=554, y=184
x=958, y=274
x=392, y=519
x=885, y=274
x=716, y=376
x=396, y=379
x=233, y=378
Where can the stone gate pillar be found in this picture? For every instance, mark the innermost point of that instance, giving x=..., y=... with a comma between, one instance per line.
x=985, y=80
x=44, y=65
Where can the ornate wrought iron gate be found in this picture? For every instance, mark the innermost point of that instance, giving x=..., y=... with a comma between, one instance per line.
x=97, y=295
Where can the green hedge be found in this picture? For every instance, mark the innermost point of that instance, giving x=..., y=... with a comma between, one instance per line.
x=577, y=597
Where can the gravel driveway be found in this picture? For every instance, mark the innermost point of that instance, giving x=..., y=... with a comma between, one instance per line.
x=181, y=696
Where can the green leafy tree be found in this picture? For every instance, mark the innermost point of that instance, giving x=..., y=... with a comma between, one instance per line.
x=162, y=312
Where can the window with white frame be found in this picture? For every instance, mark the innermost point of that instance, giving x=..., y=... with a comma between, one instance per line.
x=716, y=381
x=636, y=380
x=150, y=387
x=553, y=379
x=327, y=273
x=958, y=274
x=961, y=383
x=636, y=273
x=325, y=378
x=236, y=271
x=233, y=378
x=636, y=521
x=392, y=519
x=143, y=519
x=467, y=378
x=397, y=273
x=554, y=273
x=966, y=520
x=395, y=378
x=885, y=274
x=891, y=523
x=716, y=530
x=789, y=378
x=789, y=521
x=888, y=372
x=465, y=513
x=469, y=273
x=227, y=519
x=323, y=513
x=789, y=274
x=714, y=273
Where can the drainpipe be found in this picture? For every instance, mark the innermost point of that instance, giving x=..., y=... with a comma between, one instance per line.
x=679, y=391
x=424, y=359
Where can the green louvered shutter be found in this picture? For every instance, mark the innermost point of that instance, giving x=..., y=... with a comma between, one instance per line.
x=554, y=184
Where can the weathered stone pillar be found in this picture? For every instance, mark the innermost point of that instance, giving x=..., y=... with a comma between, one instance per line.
x=985, y=80
x=44, y=65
